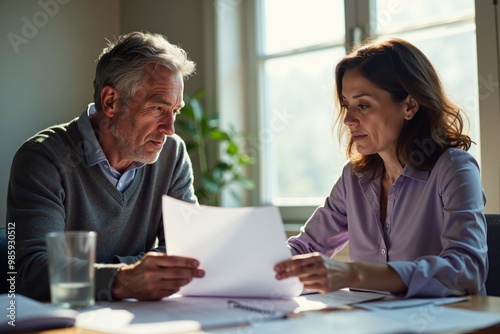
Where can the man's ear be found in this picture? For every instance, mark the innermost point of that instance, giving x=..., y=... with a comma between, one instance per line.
x=109, y=100
x=412, y=107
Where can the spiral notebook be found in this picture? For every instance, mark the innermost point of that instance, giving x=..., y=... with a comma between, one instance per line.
x=237, y=247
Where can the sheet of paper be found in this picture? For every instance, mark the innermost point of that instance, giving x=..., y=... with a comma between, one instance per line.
x=393, y=302
x=337, y=322
x=338, y=298
x=181, y=314
x=427, y=319
x=433, y=319
x=24, y=314
x=175, y=315
x=237, y=248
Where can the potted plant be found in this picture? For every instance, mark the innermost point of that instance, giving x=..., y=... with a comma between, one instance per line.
x=201, y=132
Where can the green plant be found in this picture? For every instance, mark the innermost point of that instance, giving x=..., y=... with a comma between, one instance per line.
x=200, y=132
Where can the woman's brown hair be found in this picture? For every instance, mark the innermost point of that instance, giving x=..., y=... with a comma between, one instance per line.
x=400, y=68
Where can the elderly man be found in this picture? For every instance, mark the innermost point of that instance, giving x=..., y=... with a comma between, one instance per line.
x=106, y=171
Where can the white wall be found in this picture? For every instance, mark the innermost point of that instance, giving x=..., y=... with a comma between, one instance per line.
x=48, y=50
x=47, y=78
x=180, y=21
x=488, y=32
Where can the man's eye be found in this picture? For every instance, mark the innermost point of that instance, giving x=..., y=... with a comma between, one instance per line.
x=157, y=111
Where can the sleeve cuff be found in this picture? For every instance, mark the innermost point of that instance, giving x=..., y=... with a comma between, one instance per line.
x=405, y=271
x=104, y=277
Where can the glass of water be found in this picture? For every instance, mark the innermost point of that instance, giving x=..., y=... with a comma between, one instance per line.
x=71, y=268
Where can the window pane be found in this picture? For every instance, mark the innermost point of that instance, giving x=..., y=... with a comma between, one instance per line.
x=450, y=46
x=302, y=158
x=458, y=74
x=292, y=24
x=399, y=15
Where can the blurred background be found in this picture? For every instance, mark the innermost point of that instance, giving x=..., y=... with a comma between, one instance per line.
x=265, y=68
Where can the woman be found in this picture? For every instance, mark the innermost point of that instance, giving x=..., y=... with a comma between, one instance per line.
x=409, y=201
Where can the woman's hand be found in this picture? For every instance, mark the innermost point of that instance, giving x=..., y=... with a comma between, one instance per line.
x=322, y=274
x=318, y=272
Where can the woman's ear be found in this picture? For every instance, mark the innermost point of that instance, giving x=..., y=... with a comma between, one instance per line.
x=412, y=107
x=109, y=100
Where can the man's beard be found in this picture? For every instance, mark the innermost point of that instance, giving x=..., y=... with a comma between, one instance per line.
x=127, y=150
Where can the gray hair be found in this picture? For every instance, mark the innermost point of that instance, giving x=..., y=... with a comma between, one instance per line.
x=122, y=63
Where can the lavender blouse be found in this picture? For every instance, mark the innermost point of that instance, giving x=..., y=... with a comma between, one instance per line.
x=434, y=234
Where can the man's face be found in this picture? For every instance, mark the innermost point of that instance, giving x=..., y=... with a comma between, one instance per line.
x=141, y=127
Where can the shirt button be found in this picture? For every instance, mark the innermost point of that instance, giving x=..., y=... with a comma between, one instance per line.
x=387, y=226
x=383, y=251
x=106, y=166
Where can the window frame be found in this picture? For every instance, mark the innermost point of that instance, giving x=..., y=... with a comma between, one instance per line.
x=356, y=13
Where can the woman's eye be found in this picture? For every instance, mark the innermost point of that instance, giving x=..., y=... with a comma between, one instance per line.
x=363, y=106
x=344, y=107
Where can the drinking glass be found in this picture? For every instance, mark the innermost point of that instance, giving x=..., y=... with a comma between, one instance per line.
x=71, y=268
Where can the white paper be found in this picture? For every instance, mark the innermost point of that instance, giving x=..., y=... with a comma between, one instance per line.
x=334, y=299
x=336, y=322
x=432, y=318
x=110, y=320
x=426, y=319
x=181, y=314
x=174, y=315
x=237, y=248
x=394, y=302
x=25, y=314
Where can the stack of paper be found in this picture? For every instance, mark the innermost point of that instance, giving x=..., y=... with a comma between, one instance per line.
x=181, y=314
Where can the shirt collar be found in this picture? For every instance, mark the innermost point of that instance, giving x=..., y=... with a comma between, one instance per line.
x=414, y=173
x=408, y=171
x=93, y=150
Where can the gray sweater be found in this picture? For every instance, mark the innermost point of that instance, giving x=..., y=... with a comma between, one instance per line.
x=51, y=188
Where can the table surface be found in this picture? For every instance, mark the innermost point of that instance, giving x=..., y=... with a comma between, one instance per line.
x=478, y=303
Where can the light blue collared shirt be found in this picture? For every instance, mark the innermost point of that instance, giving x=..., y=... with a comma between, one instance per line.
x=94, y=154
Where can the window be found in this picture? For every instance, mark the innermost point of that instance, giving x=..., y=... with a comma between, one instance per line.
x=299, y=42
x=446, y=32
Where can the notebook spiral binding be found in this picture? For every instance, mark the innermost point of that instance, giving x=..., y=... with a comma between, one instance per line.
x=237, y=304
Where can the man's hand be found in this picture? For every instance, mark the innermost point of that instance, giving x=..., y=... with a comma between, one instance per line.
x=155, y=276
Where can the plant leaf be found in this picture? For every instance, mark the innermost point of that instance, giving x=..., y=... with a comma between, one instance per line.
x=209, y=184
x=197, y=110
x=219, y=135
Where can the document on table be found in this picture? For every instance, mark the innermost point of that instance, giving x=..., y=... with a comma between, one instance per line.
x=237, y=248
x=427, y=319
x=25, y=314
x=225, y=315
x=392, y=302
x=181, y=314
x=432, y=318
x=340, y=298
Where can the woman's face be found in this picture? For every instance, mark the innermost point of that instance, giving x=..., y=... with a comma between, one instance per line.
x=373, y=118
